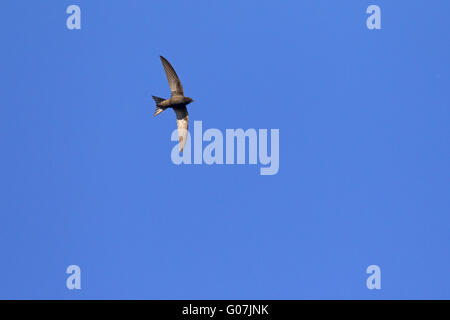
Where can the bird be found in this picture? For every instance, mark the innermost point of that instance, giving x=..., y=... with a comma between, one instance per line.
x=177, y=102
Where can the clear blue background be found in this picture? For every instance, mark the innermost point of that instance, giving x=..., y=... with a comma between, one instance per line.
x=86, y=175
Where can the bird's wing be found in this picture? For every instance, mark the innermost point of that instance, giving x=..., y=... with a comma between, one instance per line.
x=182, y=124
x=174, y=83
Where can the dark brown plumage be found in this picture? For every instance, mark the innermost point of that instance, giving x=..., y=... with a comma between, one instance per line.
x=177, y=102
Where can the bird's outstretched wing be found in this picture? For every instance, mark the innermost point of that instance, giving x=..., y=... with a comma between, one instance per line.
x=182, y=124
x=174, y=83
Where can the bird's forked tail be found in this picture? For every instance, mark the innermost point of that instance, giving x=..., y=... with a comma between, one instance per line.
x=158, y=109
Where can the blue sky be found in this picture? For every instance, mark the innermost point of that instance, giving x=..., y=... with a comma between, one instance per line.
x=87, y=177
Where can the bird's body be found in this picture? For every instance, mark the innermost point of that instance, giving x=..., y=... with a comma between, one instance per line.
x=177, y=102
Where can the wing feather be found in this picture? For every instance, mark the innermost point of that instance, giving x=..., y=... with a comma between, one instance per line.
x=174, y=82
x=182, y=125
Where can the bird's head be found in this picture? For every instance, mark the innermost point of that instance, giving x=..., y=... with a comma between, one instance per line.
x=189, y=100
